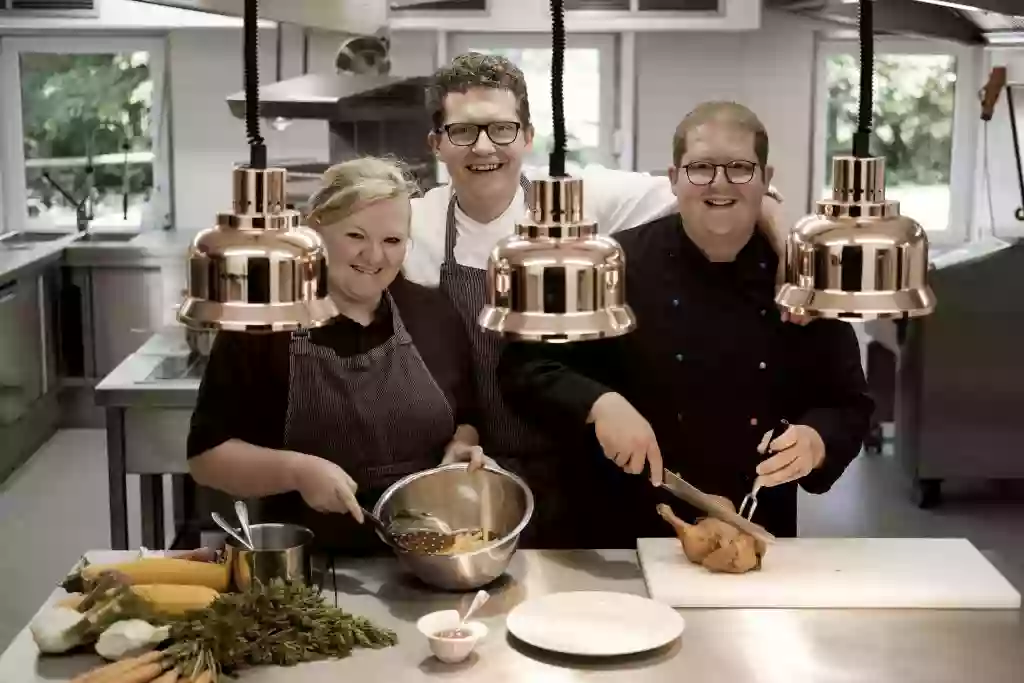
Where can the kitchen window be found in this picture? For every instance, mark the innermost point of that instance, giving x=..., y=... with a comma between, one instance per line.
x=925, y=109
x=589, y=88
x=87, y=116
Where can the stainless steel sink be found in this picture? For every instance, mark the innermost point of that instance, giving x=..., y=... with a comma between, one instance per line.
x=32, y=237
x=110, y=237
x=178, y=367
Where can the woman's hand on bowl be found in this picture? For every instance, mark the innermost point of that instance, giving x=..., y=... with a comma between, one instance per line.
x=324, y=486
x=458, y=451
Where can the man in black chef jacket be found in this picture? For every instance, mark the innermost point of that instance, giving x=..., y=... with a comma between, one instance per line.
x=711, y=367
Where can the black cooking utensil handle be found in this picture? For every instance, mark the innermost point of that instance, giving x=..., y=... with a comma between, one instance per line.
x=777, y=431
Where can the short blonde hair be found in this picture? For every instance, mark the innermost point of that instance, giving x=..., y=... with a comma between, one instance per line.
x=356, y=183
x=731, y=113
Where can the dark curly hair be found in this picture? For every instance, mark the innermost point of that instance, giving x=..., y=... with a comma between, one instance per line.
x=477, y=70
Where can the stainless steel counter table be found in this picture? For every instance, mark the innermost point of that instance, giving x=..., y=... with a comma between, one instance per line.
x=788, y=646
x=15, y=259
x=147, y=400
x=96, y=248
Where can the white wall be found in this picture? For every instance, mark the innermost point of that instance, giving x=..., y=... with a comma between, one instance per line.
x=207, y=140
x=770, y=70
x=1005, y=191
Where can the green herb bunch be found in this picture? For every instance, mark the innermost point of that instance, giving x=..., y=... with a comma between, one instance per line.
x=278, y=623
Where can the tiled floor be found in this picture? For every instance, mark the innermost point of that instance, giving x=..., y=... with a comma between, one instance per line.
x=56, y=506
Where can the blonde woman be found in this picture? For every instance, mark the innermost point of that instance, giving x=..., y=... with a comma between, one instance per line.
x=322, y=421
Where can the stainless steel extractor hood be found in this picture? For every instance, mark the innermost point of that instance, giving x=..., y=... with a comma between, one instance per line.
x=339, y=97
x=974, y=22
x=362, y=88
x=350, y=16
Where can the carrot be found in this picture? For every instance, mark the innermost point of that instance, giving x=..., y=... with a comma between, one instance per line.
x=170, y=676
x=104, y=673
x=140, y=674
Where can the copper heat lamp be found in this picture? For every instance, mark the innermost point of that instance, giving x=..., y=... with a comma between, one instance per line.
x=857, y=257
x=257, y=269
x=556, y=279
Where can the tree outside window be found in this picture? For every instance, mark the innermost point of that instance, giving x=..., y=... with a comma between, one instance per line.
x=87, y=123
x=582, y=89
x=913, y=127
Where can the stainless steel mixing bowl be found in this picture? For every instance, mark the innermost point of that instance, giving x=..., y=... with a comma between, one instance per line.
x=457, y=497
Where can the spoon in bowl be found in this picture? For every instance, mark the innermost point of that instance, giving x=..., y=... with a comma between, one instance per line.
x=243, y=519
x=222, y=523
x=479, y=600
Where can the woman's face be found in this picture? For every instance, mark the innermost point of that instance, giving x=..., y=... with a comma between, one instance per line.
x=366, y=249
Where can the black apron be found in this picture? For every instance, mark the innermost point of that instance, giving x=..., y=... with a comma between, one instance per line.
x=379, y=415
x=504, y=436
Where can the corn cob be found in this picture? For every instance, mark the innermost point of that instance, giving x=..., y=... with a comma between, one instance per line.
x=175, y=600
x=164, y=570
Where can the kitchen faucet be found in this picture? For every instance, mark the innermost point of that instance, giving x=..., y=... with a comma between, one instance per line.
x=83, y=208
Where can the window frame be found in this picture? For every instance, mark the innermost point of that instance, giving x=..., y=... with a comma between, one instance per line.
x=963, y=155
x=605, y=43
x=12, y=153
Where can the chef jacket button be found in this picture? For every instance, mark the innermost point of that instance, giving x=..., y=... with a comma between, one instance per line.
x=764, y=311
x=675, y=302
x=753, y=422
x=762, y=365
x=763, y=265
x=679, y=357
x=679, y=417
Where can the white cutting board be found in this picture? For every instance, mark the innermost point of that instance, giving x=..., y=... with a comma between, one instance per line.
x=937, y=573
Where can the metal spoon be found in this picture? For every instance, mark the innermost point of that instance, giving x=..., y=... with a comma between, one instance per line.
x=406, y=539
x=243, y=518
x=405, y=521
x=220, y=521
x=478, y=601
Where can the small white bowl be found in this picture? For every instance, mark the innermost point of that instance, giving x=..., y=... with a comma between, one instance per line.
x=450, y=650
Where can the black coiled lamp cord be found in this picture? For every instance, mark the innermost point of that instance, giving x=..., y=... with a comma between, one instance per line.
x=250, y=48
x=862, y=138
x=556, y=163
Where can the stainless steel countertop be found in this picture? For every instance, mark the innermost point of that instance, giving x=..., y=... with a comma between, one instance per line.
x=150, y=249
x=127, y=385
x=16, y=261
x=784, y=646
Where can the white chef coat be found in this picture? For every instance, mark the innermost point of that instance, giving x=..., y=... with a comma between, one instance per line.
x=616, y=200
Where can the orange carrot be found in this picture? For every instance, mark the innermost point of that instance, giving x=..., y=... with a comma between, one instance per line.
x=140, y=674
x=103, y=673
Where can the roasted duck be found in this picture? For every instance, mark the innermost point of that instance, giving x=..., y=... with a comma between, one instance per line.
x=716, y=545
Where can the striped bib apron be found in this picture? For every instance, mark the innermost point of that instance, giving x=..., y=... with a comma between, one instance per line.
x=506, y=437
x=379, y=416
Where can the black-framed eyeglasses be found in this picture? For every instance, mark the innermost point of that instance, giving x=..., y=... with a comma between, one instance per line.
x=704, y=172
x=466, y=134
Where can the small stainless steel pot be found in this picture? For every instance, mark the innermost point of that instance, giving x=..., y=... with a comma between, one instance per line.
x=281, y=552
x=200, y=341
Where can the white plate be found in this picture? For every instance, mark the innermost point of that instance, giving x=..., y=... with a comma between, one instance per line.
x=595, y=624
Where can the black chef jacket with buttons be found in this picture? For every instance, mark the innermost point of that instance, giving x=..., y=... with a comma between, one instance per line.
x=712, y=367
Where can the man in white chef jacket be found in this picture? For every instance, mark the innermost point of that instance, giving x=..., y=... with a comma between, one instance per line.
x=481, y=132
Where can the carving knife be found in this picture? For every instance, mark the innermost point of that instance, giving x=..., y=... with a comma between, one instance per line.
x=685, y=491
